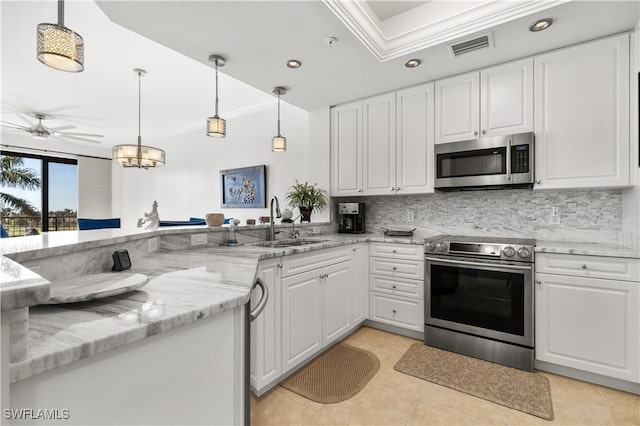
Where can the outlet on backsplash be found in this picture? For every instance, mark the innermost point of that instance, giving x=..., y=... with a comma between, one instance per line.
x=554, y=215
x=410, y=217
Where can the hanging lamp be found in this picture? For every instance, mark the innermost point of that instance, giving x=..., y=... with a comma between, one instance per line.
x=279, y=142
x=59, y=47
x=140, y=156
x=216, y=126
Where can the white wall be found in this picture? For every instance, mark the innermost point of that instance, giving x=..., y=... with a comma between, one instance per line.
x=189, y=184
x=631, y=198
x=319, y=155
x=94, y=174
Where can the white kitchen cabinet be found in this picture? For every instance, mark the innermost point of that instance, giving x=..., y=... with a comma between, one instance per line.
x=360, y=285
x=491, y=102
x=582, y=115
x=379, y=114
x=414, y=139
x=396, y=284
x=394, y=141
x=586, y=323
x=266, y=330
x=346, y=150
x=316, y=305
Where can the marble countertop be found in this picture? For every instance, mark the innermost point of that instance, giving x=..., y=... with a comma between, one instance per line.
x=587, y=249
x=20, y=287
x=185, y=286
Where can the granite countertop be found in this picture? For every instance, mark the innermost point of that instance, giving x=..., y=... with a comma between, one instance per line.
x=587, y=249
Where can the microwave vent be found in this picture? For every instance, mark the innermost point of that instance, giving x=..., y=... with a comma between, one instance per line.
x=469, y=45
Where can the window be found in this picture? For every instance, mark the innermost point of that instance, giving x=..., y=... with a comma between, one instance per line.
x=32, y=184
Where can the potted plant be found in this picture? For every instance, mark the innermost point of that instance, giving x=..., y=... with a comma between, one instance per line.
x=307, y=198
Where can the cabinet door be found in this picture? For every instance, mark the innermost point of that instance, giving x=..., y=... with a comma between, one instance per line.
x=266, y=359
x=336, y=282
x=301, y=318
x=414, y=139
x=360, y=287
x=346, y=149
x=582, y=115
x=506, y=99
x=457, y=108
x=379, y=117
x=590, y=324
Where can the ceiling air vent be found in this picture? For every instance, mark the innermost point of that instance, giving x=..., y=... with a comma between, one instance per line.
x=469, y=45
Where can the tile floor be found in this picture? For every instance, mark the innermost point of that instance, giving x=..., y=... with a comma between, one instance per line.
x=393, y=398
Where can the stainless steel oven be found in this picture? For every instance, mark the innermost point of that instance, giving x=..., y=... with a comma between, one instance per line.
x=479, y=298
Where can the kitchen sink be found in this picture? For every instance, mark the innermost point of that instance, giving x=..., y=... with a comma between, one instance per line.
x=290, y=243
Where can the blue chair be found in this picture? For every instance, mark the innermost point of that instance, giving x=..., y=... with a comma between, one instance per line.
x=3, y=232
x=87, y=224
x=191, y=221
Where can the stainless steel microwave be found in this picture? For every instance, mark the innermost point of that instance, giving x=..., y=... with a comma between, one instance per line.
x=493, y=162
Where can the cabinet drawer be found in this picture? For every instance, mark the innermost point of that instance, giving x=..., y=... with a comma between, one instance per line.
x=307, y=261
x=397, y=251
x=398, y=286
x=615, y=268
x=397, y=268
x=398, y=311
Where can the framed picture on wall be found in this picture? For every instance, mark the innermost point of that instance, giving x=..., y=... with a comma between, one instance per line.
x=244, y=187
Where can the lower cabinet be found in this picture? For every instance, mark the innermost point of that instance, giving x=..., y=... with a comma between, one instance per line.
x=399, y=311
x=586, y=320
x=360, y=286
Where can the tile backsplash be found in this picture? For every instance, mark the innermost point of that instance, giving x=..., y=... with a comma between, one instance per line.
x=567, y=215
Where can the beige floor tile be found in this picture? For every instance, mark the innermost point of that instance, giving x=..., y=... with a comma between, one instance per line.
x=444, y=406
x=623, y=407
x=282, y=407
x=570, y=392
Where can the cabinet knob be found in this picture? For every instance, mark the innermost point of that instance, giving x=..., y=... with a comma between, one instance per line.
x=538, y=282
x=584, y=266
x=484, y=132
x=537, y=181
x=394, y=311
x=359, y=189
x=475, y=133
x=279, y=265
x=397, y=188
x=393, y=251
x=393, y=286
x=394, y=268
x=392, y=189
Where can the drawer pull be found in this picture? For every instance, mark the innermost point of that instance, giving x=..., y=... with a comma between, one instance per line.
x=394, y=268
x=393, y=251
x=393, y=287
x=394, y=312
x=584, y=266
x=538, y=282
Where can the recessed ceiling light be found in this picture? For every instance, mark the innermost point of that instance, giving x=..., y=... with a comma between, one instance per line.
x=541, y=24
x=412, y=63
x=294, y=63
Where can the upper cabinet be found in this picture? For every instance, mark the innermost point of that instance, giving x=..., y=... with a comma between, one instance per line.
x=491, y=102
x=582, y=115
x=390, y=137
x=346, y=149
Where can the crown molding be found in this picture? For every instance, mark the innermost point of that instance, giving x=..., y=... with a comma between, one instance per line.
x=416, y=30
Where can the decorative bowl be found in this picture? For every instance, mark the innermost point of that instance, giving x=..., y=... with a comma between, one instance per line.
x=214, y=219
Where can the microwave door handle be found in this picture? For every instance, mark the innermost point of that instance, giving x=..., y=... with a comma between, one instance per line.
x=509, y=159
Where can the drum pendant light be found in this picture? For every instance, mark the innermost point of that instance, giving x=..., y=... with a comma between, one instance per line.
x=279, y=142
x=216, y=126
x=140, y=156
x=59, y=47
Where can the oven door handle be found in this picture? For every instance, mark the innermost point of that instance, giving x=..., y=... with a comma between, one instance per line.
x=466, y=263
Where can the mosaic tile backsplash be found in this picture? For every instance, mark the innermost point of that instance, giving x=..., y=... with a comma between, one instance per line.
x=581, y=215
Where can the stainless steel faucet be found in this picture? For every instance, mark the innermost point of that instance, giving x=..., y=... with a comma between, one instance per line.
x=272, y=224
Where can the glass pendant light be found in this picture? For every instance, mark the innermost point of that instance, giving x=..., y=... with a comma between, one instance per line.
x=216, y=126
x=140, y=156
x=279, y=142
x=59, y=47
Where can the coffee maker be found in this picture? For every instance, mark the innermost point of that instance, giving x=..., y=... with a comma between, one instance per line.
x=351, y=218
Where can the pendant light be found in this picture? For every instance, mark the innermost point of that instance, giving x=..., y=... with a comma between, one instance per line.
x=59, y=47
x=216, y=126
x=140, y=156
x=279, y=142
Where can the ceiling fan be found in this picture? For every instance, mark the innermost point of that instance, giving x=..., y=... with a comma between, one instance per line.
x=40, y=131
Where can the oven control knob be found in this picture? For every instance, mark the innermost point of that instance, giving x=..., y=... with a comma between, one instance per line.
x=430, y=246
x=524, y=252
x=509, y=251
x=441, y=247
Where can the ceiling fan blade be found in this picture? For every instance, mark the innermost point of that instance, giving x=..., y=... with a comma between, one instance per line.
x=64, y=134
x=77, y=138
x=23, y=118
x=14, y=126
x=55, y=129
